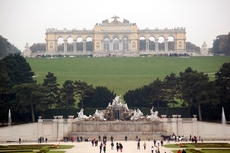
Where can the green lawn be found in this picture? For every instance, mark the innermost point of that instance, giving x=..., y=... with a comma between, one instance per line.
x=201, y=147
x=33, y=148
x=121, y=74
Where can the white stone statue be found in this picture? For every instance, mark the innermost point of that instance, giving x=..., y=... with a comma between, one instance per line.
x=153, y=116
x=126, y=107
x=99, y=115
x=137, y=114
x=81, y=115
x=117, y=101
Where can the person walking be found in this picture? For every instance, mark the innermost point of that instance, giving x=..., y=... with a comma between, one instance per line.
x=152, y=149
x=138, y=145
x=117, y=146
x=104, y=148
x=100, y=147
x=183, y=151
x=121, y=147
x=112, y=144
x=144, y=145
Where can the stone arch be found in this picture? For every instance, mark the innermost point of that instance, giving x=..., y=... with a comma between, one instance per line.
x=89, y=43
x=79, y=41
x=60, y=44
x=171, y=43
x=125, y=43
x=142, y=43
x=106, y=43
x=106, y=36
x=152, y=41
x=69, y=44
x=161, y=43
x=115, y=43
x=116, y=36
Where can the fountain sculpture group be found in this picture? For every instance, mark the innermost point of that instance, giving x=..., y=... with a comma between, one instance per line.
x=118, y=111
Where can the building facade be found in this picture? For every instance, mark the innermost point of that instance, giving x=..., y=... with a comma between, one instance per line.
x=115, y=38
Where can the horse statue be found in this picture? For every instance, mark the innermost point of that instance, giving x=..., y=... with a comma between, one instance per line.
x=137, y=114
x=99, y=115
x=81, y=115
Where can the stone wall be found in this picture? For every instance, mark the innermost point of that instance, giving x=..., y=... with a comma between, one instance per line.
x=56, y=129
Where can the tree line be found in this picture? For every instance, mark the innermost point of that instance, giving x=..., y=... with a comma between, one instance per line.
x=221, y=45
x=191, y=88
x=7, y=48
x=21, y=93
x=24, y=96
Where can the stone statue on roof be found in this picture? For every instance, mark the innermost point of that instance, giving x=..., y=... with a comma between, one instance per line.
x=115, y=18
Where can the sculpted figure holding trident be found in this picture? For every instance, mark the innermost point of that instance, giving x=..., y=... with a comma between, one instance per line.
x=115, y=18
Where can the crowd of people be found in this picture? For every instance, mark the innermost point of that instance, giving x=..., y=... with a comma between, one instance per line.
x=103, y=144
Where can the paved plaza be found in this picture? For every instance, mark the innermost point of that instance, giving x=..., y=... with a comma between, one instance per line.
x=128, y=146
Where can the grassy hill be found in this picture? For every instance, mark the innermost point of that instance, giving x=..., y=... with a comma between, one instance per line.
x=121, y=74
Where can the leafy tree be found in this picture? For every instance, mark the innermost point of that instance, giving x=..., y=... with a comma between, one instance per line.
x=29, y=96
x=132, y=99
x=223, y=85
x=67, y=95
x=53, y=93
x=38, y=47
x=100, y=97
x=221, y=45
x=18, y=69
x=7, y=48
x=15, y=71
x=194, y=88
x=139, y=97
x=4, y=91
x=192, y=47
x=82, y=90
x=146, y=96
x=157, y=91
x=171, y=87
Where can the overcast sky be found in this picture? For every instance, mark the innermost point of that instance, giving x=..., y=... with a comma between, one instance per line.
x=23, y=21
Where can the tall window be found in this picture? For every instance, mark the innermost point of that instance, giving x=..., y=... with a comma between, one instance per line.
x=115, y=44
x=125, y=44
x=106, y=44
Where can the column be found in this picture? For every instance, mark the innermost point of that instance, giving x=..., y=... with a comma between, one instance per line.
x=74, y=45
x=84, y=46
x=46, y=46
x=65, y=46
x=56, y=45
x=156, y=45
x=129, y=45
x=175, y=44
x=184, y=45
x=93, y=47
x=120, y=45
x=111, y=45
x=166, y=45
x=147, y=45
x=138, y=46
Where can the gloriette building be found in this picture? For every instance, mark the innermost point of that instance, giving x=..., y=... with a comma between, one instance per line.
x=116, y=38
